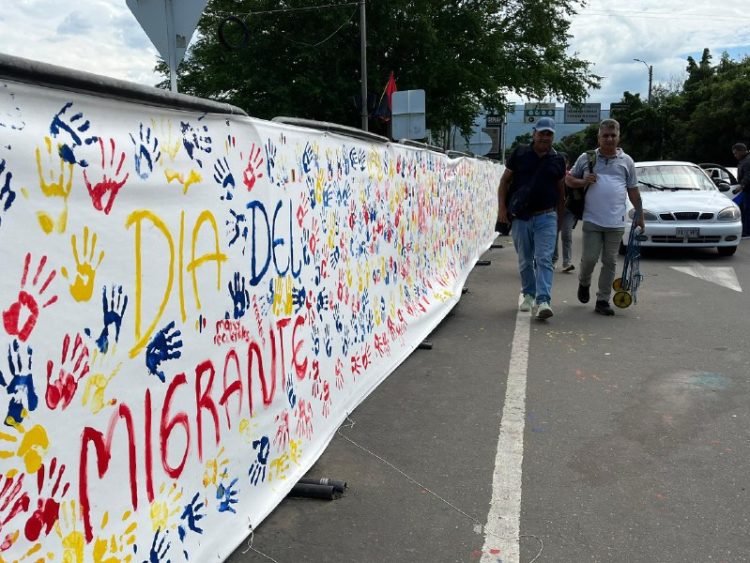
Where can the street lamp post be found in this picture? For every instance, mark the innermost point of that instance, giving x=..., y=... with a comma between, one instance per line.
x=650, y=76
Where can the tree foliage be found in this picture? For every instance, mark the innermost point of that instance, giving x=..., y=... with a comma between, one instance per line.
x=466, y=54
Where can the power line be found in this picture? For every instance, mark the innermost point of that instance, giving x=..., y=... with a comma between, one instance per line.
x=283, y=10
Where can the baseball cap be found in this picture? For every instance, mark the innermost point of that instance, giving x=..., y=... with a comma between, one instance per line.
x=739, y=147
x=545, y=124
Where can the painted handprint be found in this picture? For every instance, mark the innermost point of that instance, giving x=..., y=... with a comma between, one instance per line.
x=214, y=468
x=238, y=227
x=281, y=440
x=240, y=296
x=97, y=382
x=13, y=501
x=326, y=398
x=50, y=489
x=165, y=345
x=291, y=394
x=147, y=152
x=21, y=317
x=74, y=366
x=224, y=177
x=252, y=170
x=70, y=131
x=83, y=286
x=113, y=312
x=165, y=507
x=304, y=419
x=227, y=495
x=115, y=547
x=259, y=466
x=71, y=537
x=19, y=384
x=103, y=189
x=159, y=548
x=270, y=150
x=57, y=183
x=190, y=516
x=27, y=448
x=7, y=195
x=196, y=141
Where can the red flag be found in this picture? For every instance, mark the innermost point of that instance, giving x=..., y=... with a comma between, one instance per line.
x=383, y=109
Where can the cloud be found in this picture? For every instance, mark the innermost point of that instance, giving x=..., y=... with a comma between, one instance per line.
x=76, y=23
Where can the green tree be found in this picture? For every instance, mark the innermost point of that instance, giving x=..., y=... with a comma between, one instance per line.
x=465, y=54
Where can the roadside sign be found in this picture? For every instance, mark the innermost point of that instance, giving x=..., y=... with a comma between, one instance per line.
x=408, y=109
x=494, y=121
x=583, y=113
x=534, y=110
x=617, y=107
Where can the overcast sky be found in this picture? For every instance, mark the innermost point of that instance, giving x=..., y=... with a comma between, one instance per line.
x=103, y=37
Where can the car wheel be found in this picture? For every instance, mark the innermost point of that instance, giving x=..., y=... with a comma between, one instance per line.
x=726, y=250
x=623, y=249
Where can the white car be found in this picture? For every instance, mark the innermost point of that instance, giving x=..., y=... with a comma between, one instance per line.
x=683, y=208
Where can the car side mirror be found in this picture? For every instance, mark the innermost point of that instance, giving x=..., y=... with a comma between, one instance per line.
x=723, y=186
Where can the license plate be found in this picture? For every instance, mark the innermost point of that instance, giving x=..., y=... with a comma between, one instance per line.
x=692, y=232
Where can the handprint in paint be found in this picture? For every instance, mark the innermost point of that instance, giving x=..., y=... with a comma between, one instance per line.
x=19, y=384
x=113, y=312
x=159, y=548
x=259, y=467
x=238, y=227
x=97, y=382
x=7, y=195
x=227, y=495
x=165, y=345
x=21, y=317
x=147, y=152
x=71, y=130
x=224, y=177
x=83, y=286
x=196, y=141
x=253, y=168
x=56, y=184
x=190, y=516
x=240, y=296
x=74, y=366
x=103, y=188
x=27, y=448
x=13, y=501
x=50, y=488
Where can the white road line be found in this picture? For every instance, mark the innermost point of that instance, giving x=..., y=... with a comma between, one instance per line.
x=503, y=520
x=724, y=276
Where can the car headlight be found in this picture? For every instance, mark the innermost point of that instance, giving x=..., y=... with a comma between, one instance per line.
x=647, y=215
x=729, y=214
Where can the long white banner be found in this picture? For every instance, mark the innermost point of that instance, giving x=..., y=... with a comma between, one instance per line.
x=192, y=304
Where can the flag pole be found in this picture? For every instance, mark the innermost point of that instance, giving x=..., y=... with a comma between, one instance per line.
x=363, y=59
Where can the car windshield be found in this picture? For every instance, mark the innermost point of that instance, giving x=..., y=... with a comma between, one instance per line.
x=673, y=177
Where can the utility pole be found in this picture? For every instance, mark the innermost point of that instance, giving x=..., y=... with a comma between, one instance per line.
x=650, y=76
x=363, y=60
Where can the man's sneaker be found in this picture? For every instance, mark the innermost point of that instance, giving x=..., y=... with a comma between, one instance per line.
x=583, y=293
x=544, y=311
x=527, y=303
x=603, y=308
x=568, y=268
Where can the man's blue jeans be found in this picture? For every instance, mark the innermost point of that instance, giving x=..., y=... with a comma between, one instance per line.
x=535, y=240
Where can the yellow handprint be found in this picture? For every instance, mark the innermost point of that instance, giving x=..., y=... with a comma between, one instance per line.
x=73, y=540
x=112, y=549
x=83, y=286
x=57, y=186
x=214, y=468
x=165, y=507
x=34, y=444
x=282, y=296
x=97, y=381
x=169, y=146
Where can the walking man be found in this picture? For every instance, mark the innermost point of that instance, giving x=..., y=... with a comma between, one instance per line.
x=610, y=175
x=531, y=193
x=739, y=150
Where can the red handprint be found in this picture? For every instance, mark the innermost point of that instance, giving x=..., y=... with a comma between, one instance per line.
x=48, y=508
x=282, y=430
x=110, y=183
x=73, y=368
x=252, y=170
x=26, y=306
x=12, y=502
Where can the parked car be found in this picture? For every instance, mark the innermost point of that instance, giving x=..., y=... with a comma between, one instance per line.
x=724, y=177
x=683, y=208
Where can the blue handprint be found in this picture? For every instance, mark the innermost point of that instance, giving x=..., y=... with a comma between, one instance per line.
x=239, y=227
x=258, y=468
x=328, y=341
x=299, y=298
x=240, y=295
x=147, y=152
x=114, y=310
x=23, y=398
x=227, y=496
x=270, y=150
x=224, y=177
x=162, y=347
x=308, y=159
x=7, y=195
x=71, y=127
x=195, y=140
x=191, y=514
x=158, y=548
x=315, y=339
x=291, y=395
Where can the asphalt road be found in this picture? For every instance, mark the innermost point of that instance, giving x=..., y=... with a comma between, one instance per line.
x=635, y=442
